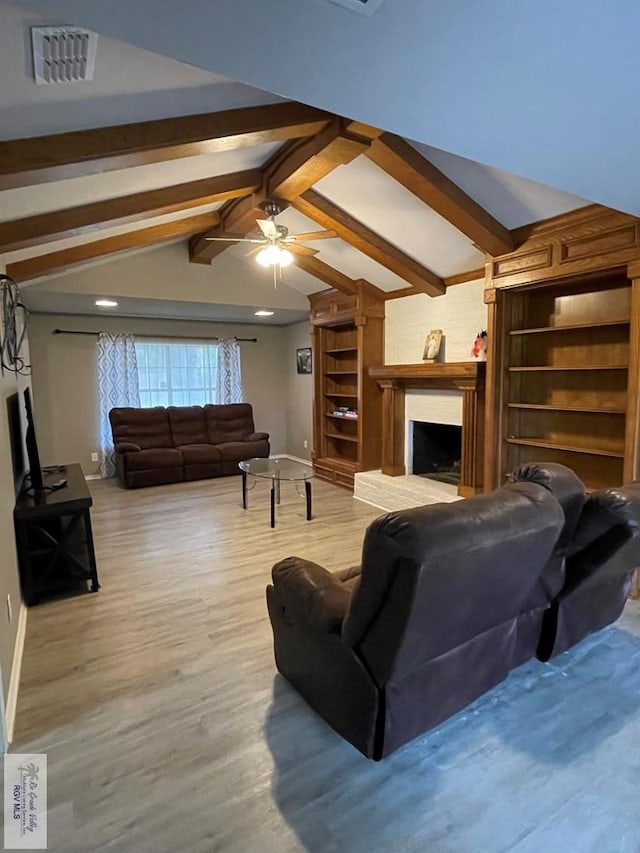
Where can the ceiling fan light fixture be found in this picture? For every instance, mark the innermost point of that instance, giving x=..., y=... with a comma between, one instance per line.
x=274, y=255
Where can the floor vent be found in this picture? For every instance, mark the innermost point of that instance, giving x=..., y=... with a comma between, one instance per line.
x=63, y=54
x=364, y=7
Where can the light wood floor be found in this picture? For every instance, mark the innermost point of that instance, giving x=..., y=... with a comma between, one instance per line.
x=151, y=696
x=168, y=731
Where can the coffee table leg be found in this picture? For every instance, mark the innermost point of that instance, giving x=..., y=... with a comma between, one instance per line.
x=244, y=490
x=307, y=489
x=273, y=504
x=277, y=482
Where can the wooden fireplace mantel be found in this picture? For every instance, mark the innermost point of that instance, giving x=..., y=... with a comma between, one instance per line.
x=465, y=376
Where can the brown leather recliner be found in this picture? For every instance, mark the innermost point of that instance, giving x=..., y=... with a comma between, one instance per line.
x=602, y=546
x=159, y=445
x=449, y=599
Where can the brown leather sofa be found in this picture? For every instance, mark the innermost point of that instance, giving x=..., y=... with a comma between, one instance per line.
x=450, y=598
x=169, y=445
x=602, y=549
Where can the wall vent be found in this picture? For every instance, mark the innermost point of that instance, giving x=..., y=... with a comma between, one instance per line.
x=364, y=7
x=63, y=54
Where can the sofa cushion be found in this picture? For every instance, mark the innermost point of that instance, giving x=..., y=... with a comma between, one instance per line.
x=158, y=457
x=233, y=422
x=188, y=425
x=200, y=454
x=235, y=451
x=147, y=428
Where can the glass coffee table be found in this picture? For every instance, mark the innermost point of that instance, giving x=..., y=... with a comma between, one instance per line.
x=277, y=470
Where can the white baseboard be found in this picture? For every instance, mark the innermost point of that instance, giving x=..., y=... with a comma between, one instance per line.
x=93, y=476
x=14, y=681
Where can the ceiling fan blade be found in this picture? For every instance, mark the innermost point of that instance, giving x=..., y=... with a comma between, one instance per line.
x=297, y=249
x=231, y=239
x=313, y=235
x=268, y=227
x=252, y=252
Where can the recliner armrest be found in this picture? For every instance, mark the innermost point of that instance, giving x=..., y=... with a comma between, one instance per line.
x=126, y=447
x=258, y=436
x=311, y=595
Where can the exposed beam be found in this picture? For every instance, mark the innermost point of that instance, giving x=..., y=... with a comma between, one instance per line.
x=403, y=163
x=450, y=281
x=290, y=172
x=334, y=278
x=329, y=215
x=47, y=227
x=306, y=163
x=68, y=155
x=236, y=217
x=363, y=131
x=57, y=261
x=463, y=277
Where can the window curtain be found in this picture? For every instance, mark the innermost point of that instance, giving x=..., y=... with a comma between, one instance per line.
x=229, y=376
x=117, y=386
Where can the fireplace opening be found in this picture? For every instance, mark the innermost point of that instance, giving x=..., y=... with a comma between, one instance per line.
x=437, y=451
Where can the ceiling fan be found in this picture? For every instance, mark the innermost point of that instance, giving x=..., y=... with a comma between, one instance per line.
x=275, y=247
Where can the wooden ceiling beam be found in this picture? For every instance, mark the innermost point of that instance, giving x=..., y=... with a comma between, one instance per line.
x=407, y=166
x=329, y=215
x=86, y=218
x=41, y=265
x=236, y=217
x=37, y=160
x=306, y=163
x=450, y=281
x=292, y=170
x=334, y=278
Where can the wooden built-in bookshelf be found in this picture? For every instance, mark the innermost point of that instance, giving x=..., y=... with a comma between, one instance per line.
x=347, y=340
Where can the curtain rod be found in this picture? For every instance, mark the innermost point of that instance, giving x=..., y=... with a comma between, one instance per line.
x=156, y=337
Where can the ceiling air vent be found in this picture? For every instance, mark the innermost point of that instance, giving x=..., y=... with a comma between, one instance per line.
x=364, y=7
x=63, y=54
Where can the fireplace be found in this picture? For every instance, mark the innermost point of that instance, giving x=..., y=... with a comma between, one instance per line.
x=464, y=377
x=436, y=451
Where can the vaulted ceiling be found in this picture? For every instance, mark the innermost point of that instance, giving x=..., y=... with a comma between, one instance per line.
x=154, y=152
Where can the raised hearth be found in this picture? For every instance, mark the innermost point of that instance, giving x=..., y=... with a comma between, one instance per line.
x=464, y=376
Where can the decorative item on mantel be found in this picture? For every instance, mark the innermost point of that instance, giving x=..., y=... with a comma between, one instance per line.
x=432, y=346
x=479, y=348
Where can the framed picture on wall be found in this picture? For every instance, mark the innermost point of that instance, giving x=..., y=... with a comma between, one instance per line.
x=303, y=360
x=432, y=345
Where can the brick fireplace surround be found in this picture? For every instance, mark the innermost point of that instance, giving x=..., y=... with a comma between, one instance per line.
x=465, y=376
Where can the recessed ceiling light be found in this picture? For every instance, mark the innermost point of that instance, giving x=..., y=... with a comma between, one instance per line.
x=106, y=303
x=263, y=313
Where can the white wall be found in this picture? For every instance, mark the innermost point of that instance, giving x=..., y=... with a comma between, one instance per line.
x=300, y=394
x=460, y=313
x=9, y=579
x=65, y=384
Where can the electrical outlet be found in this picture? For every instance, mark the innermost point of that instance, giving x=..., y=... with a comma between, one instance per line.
x=9, y=611
x=94, y=457
x=305, y=444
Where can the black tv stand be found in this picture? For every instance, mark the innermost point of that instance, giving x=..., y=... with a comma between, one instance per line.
x=54, y=537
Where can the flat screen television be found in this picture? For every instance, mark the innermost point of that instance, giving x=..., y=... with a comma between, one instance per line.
x=35, y=470
x=16, y=444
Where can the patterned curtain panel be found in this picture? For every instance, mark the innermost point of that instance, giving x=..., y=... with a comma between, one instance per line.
x=229, y=376
x=117, y=386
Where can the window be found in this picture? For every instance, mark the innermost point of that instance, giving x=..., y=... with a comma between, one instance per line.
x=177, y=374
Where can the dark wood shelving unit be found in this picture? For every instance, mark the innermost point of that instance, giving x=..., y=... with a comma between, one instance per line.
x=567, y=367
x=347, y=340
x=565, y=373
x=548, y=408
x=569, y=327
x=550, y=445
